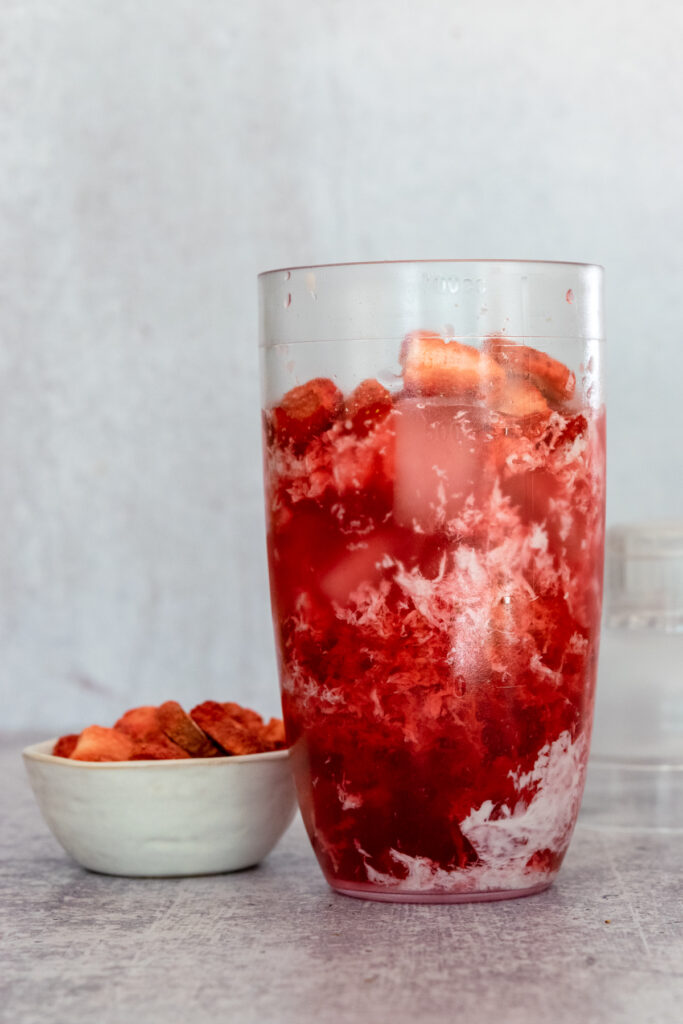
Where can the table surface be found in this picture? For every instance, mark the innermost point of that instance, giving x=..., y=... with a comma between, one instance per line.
x=274, y=944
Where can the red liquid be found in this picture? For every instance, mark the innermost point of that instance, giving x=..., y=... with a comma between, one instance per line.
x=436, y=585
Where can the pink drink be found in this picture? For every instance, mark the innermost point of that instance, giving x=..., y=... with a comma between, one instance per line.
x=436, y=568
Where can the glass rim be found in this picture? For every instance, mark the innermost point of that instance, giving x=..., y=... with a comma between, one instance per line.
x=418, y=262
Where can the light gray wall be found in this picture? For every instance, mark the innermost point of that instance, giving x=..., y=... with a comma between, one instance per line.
x=154, y=156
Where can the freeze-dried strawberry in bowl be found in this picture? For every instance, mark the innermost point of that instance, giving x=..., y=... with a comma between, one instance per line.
x=167, y=733
x=156, y=795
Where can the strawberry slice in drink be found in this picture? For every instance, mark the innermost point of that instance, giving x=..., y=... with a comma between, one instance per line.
x=367, y=406
x=434, y=366
x=306, y=411
x=555, y=380
x=521, y=399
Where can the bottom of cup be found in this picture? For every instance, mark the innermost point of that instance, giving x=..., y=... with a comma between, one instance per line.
x=369, y=892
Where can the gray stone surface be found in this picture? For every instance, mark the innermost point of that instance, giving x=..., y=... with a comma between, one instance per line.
x=275, y=945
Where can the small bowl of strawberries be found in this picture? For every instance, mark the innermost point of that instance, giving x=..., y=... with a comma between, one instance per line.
x=165, y=792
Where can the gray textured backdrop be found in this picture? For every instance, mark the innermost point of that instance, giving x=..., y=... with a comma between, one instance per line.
x=154, y=156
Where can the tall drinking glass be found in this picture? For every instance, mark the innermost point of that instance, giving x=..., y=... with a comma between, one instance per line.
x=434, y=441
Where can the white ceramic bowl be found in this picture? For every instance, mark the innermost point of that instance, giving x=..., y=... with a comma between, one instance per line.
x=164, y=818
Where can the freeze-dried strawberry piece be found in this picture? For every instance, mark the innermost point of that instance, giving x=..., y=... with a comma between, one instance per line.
x=225, y=730
x=158, y=748
x=98, y=744
x=306, y=411
x=140, y=723
x=251, y=720
x=65, y=745
x=179, y=727
x=520, y=398
x=367, y=406
x=553, y=378
x=432, y=366
x=273, y=735
x=144, y=726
